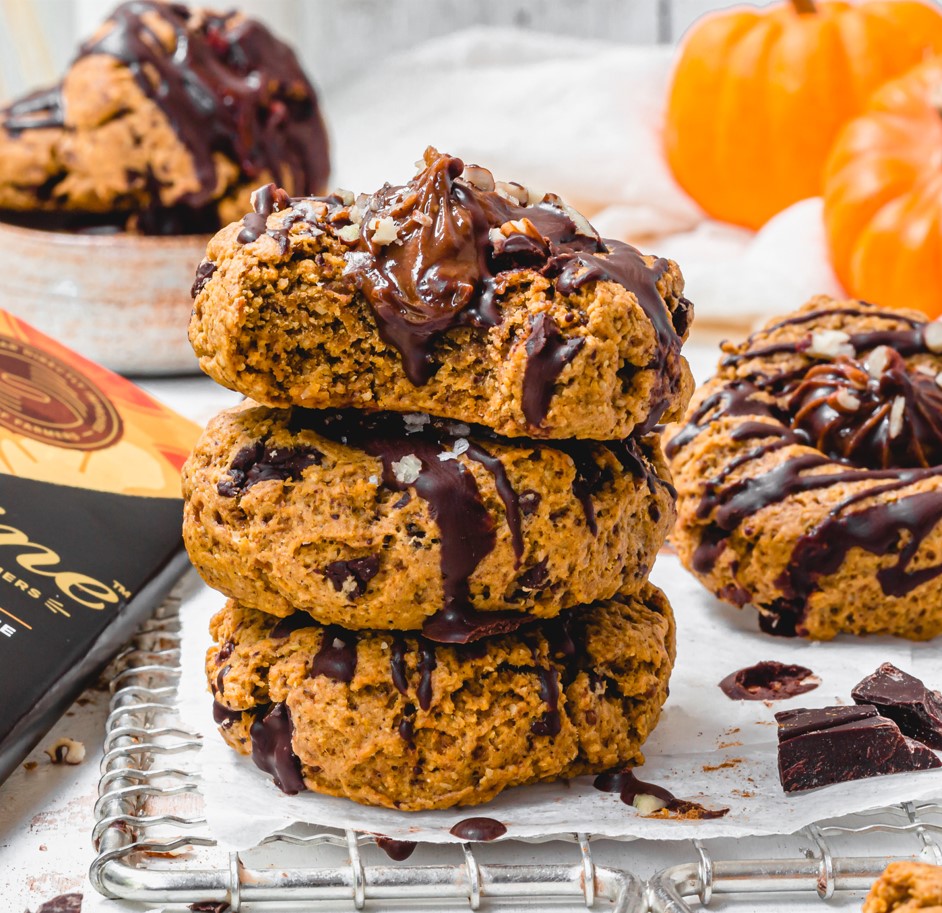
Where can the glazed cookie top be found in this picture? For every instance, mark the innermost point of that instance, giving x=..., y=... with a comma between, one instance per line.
x=436, y=254
x=239, y=109
x=850, y=396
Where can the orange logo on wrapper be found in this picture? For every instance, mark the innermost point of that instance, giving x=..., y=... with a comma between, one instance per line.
x=44, y=399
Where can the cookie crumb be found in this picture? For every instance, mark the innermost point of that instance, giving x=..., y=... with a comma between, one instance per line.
x=66, y=751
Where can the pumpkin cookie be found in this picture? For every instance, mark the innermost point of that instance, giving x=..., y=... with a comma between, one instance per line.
x=906, y=887
x=396, y=720
x=453, y=295
x=809, y=473
x=389, y=520
x=163, y=124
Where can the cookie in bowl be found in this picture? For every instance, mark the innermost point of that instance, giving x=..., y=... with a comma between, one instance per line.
x=156, y=136
x=407, y=521
x=396, y=720
x=163, y=124
x=809, y=473
x=453, y=294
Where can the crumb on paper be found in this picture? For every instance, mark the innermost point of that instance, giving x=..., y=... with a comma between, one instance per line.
x=66, y=751
x=684, y=810
x=730, y=762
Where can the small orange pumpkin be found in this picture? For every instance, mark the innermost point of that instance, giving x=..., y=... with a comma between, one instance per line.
x=883, y=196
x=759, y=95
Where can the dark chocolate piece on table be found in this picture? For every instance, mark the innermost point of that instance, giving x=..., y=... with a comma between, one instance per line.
x=800, y=721
x=924, y=758
x=768, y=681
x=903, y=698
x=831, y=745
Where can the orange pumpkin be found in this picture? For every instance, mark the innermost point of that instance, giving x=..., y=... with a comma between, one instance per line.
x=759, y=95
x=883, y=196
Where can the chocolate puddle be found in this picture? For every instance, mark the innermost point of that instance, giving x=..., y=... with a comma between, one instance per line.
x=768, y=681
x=478, y=829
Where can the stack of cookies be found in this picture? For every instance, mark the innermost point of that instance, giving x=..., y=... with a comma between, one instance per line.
x=435, y=514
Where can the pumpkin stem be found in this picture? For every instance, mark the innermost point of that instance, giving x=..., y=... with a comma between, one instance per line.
x=803, y=7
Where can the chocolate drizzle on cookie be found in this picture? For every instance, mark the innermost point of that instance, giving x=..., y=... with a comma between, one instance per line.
x=878, y=414
x=548, y=353
x=39, y=109
x=863, y=418
x=435, y=254
x=466, y=528
x=271, y=734
x=226, y=85
x=421, y=454
x=550, y=723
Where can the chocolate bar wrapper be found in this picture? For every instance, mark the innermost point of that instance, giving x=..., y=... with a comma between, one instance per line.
x=90, y=517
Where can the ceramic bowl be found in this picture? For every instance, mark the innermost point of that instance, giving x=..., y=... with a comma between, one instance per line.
x=122, y=300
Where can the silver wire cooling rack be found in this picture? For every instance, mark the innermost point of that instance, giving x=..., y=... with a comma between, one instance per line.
x=153, y=844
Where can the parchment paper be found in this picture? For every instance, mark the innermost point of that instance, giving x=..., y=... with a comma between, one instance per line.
x=707, y=748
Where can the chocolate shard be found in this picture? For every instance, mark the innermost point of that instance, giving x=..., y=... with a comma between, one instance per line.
x=832, y=745
x=924, y=758
x=792, y=723
x=904, y=699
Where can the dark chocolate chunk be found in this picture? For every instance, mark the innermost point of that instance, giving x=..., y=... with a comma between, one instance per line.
x=337, y=656
x=822, y=747
x=461, y=626
x=204, y=273
x=924, y=758
x=768, y=681
x=801, y=721
x=550, y=723
x=351, y=577
x=272, y=751
x=427, y=665
x=256, y=463
x=285, y=627
x=397, y=850
x=629, y=787
x=905, y=700
x=224, y=716
x=529, y=502
x=535, y=577
x=478, y=829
